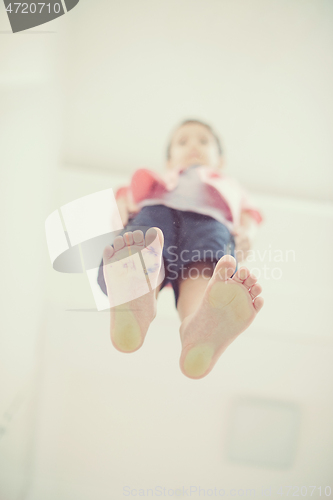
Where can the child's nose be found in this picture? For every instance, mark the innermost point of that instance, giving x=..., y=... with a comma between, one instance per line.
x=195, y=149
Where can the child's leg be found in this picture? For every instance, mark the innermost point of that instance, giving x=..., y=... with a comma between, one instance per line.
x=214, y=312
x=130, y=321
x=125, y=278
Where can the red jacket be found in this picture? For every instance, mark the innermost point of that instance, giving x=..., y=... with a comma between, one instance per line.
x=144, y=182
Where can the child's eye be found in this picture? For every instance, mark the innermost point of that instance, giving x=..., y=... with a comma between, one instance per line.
x=204, y=140
x=182, y=142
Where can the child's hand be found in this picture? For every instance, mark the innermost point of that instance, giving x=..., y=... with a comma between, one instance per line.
x=126, y=206
x=244, y=235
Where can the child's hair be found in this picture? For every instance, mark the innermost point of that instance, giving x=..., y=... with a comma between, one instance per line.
x=185, y=122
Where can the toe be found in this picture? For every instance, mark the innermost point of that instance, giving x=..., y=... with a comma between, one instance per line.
x=152, y=234
x=225, y=267
x=108, y=253
x=255, y=290
x=258, y=303
x=118, y=243
x=138, y=236
x=250, y=280
x=128, y=238
x=241, y=274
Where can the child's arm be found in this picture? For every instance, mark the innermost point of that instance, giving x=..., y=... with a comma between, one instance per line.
x=244, y=234
x=142, y=183
x=245, y=231
x=125, y=203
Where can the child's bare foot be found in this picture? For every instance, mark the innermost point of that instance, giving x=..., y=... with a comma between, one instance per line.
x=131, y=285
x=228, y=307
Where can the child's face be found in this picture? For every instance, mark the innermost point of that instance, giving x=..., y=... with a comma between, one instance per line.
x=193, y=144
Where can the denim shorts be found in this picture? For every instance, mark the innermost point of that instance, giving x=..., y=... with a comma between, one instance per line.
x=188, y=237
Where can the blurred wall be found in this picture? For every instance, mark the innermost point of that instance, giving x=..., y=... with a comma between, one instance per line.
x=260, y=71
x=29, y=144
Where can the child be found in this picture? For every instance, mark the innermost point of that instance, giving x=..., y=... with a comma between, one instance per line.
x=194, y=211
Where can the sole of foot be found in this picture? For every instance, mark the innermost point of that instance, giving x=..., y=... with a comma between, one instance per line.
x=228, y=308
x=131, y=319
